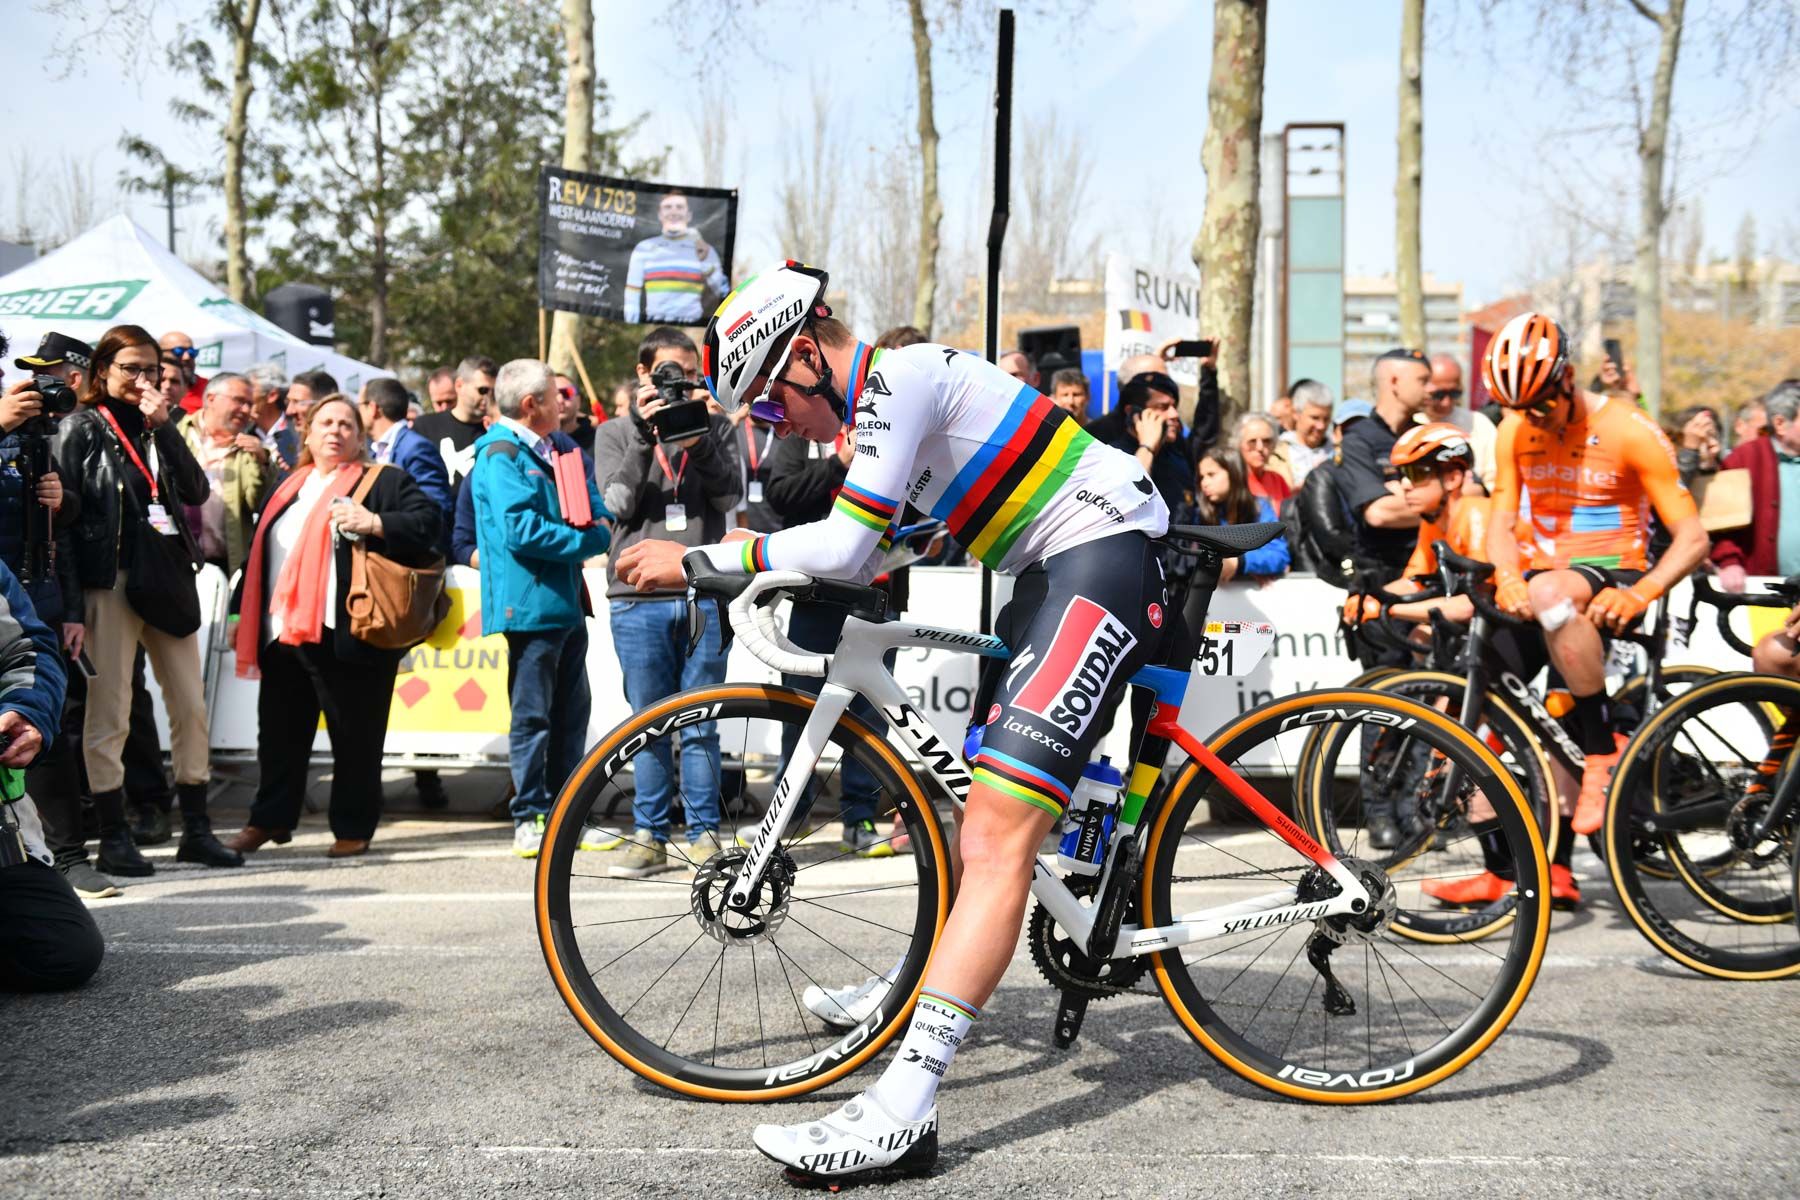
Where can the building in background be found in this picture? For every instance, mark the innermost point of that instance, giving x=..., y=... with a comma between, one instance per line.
x=1372, y=324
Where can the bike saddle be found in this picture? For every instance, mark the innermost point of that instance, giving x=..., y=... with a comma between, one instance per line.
x=1227, y=540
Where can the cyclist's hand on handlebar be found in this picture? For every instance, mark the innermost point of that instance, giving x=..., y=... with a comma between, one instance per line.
x=652, y=565
x=1731, y=578
x=1615, y=608
x=1513, y=598
x=1360, y=607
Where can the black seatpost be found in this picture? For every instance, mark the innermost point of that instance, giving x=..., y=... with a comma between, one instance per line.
x=1202, y=582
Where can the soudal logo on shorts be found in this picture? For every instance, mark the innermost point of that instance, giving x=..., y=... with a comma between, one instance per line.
x=1071, y=680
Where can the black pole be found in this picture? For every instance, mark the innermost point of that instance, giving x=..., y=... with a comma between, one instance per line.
x=997, y=233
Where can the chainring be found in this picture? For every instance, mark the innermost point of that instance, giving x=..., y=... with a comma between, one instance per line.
x=1068, y=967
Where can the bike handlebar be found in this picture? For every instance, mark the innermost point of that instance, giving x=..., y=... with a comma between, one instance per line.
x=763, y=635
x=1781, y=595
x=1464, y=576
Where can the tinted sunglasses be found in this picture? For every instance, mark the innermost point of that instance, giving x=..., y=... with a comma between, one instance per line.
x=1447, y=394
x=1418, y=474
x=566, y=393
x=179, y=352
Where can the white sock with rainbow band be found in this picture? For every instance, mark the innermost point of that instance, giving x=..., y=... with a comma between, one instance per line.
x=908, y=1088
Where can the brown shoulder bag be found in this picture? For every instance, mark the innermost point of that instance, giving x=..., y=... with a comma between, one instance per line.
x=392, y=606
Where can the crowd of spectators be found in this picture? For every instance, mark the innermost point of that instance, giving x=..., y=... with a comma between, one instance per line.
x=278, y=481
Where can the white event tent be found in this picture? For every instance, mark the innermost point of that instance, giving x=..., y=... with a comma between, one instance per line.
x=118, y=274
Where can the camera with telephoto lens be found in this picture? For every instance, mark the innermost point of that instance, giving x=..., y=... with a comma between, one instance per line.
x=683, y=418
x=32, y=462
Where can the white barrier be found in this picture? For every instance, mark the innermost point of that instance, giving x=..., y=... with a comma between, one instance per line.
x=450, y=705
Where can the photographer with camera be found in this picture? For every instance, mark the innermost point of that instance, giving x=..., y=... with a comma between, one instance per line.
x=668, y=473
x=132, y=562
x=31, y=499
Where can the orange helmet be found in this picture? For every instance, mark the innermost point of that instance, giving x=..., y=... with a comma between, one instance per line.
x=1524, y=364
x=1439, y=444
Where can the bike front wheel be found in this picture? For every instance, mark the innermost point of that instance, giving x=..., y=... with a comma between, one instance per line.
x=1688, y=798
x=1386, y=1015
x=723, y=1003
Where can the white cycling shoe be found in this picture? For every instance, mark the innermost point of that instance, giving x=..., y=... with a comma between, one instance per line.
x=846, y=1007
x=861, y=1138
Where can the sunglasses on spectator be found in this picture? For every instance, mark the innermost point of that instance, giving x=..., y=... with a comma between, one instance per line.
x=484, y=391
x=567, y=393
x=1447, y=394
x=182, y=352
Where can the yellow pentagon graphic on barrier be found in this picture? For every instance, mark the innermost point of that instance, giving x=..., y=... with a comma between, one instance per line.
x=455, y=682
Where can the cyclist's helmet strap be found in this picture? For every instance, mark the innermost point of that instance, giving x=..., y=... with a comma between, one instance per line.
x=1439, y=443
x=1525, y=362
x=751, y=332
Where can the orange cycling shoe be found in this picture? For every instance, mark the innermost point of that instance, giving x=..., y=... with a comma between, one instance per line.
x=1563, y=892
x=1596, y=778
x=1485, y=888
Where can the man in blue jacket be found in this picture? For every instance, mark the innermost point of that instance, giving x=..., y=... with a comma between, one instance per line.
x=384, y=404
x=531, y=590
x=47, y=939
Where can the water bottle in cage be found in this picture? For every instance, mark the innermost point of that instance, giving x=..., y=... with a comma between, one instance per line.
x=1088, y=824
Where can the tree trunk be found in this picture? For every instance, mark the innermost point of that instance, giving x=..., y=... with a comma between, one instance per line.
x=1225, y=251
x=1407, y=280
x=931, y=209
x=237, y=231
x=578, y=153
x=1652, y=211
x=378, y=228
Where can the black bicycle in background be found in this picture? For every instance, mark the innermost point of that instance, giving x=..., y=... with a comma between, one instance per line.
x=1704, y=813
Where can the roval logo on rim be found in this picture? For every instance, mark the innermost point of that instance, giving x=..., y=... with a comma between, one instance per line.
x=1070, y=681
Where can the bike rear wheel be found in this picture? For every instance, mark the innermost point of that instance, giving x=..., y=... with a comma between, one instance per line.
x=1417, y=1011
x=1676, y=680
x=1679, y=821
x=1441, y=851
x=707, y=1000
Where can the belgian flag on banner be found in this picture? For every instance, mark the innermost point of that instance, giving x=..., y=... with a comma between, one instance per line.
x=1133, y=318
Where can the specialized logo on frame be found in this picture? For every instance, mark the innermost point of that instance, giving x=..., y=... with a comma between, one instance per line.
x=1072, y=678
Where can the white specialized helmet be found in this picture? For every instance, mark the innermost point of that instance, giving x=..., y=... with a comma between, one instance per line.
x=754, y=325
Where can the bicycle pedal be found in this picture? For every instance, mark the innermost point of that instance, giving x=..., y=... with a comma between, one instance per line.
x=1071, y=1011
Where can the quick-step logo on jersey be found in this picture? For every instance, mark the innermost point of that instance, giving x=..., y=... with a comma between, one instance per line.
x=1072, y=678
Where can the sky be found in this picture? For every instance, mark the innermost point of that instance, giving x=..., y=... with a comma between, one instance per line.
x=1128, y=81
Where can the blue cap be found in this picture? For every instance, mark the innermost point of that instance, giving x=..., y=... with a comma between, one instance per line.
x=1102, y=771
x=1349, y=410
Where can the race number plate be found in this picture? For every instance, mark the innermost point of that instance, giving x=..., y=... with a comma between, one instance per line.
x=1232, y=648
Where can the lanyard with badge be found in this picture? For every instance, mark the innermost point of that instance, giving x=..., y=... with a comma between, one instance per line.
x=155, y=514
x=674, y=513
x=756, y=457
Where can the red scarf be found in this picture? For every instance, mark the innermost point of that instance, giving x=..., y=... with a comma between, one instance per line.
x=299, y=596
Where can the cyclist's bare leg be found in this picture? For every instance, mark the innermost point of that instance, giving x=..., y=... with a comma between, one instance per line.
x=1777, y=654
x=1566, y=786
x=1575, y=646
x=999, y=841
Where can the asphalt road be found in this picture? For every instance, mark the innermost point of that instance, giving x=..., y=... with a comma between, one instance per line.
x=386, y=1027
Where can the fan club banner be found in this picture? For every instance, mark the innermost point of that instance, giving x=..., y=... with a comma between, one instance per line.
x=1146, y=307
x=625, y=250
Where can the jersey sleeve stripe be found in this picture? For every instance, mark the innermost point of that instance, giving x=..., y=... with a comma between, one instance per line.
x=756, y=555
x=864, y=510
